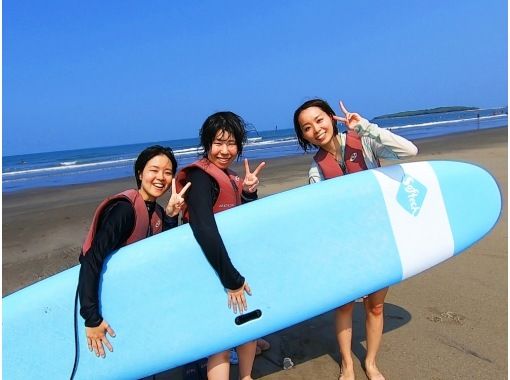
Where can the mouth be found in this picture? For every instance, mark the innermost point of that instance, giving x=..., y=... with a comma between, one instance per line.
x=223, y=160
x=159, y=186
x=320, y=136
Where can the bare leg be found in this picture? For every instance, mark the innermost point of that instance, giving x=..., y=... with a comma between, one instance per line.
x=246, y=354
x=218, y=366
x=343, y=325
x=374, y=324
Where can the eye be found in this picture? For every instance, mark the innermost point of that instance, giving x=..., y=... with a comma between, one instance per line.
x=306, y=129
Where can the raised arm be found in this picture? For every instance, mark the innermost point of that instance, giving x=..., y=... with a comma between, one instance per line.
x=387, y=145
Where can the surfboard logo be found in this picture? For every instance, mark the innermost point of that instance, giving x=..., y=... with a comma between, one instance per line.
x=226, y=205
x=411, y=194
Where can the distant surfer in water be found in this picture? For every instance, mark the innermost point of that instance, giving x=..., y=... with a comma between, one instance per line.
x=217, y=188
x=359, y=148
x=120, y=220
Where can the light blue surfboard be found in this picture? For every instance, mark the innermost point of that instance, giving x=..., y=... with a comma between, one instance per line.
x=303, y=252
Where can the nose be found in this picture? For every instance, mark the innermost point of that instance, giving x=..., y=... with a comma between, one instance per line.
x=224, y=149
x=316, y=128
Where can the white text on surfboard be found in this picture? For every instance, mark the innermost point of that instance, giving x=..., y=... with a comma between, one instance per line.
x=411, y=195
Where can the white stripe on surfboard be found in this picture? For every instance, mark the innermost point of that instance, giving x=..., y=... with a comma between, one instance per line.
x=424, y=239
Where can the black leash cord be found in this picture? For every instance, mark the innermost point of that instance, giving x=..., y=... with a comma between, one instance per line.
x=76, y=350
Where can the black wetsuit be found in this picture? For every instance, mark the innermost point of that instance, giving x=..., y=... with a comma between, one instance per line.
x=200, y=198
x=114, y=227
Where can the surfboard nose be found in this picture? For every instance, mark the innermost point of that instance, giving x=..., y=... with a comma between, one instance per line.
x=472, y=199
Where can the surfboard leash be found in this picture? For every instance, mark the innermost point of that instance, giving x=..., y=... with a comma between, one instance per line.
x=75, y=365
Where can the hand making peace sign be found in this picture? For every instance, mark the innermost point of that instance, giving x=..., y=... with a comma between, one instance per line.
x=176, y=200
x=350, y=120
x=251, y=181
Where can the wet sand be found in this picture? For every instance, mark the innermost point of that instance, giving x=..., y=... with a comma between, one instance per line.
x=447, y=323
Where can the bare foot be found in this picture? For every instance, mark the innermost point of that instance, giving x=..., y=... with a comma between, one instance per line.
x=373, y=372
x=346, y=373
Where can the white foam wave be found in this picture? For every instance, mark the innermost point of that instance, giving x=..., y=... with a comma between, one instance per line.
x=68, y=167
x=180, y=152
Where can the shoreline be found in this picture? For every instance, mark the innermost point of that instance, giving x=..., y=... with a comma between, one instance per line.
x=448, y=322
x=35, y=190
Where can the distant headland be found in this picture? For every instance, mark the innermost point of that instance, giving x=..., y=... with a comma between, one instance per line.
x=427, y=111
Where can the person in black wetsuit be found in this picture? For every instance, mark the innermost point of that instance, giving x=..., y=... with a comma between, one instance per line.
x=217, y=188
x=120, y=220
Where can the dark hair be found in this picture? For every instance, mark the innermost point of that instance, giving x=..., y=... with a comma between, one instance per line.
x=226, y=122
x=148, y=154
x=319, y=103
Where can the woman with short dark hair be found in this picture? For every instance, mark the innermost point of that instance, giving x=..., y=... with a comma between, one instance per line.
x=216, y=188
x=120, y=220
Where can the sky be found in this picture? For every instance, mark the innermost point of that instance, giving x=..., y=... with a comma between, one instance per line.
x=81, y=74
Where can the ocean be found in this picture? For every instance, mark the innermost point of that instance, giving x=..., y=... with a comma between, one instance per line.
x=36, y=170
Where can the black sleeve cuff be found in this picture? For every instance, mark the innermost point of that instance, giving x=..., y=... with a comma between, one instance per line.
x=93, y=322
x=239, y=282
x=248, y=197
x=170, y=222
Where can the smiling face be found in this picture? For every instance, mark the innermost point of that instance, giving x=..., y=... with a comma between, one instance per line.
x=156, y=177
x=316, y=126
x=223, y=150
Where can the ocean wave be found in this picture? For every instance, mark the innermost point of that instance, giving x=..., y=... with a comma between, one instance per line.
x=69, y=167
x=65, y=166
x=184, y=151
x=264, y=146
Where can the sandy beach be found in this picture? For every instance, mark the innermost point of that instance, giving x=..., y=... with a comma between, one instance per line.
x=447, y=323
